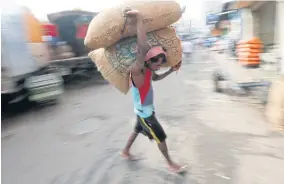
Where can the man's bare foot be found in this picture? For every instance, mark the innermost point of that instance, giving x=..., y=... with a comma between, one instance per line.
x=175, y=168
x=127, y=155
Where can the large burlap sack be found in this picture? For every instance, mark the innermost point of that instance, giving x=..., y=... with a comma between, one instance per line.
x=114, y=62
x=111, y=72
x=106, y=28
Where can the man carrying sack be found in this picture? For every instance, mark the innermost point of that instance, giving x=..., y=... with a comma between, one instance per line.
x=142, y=72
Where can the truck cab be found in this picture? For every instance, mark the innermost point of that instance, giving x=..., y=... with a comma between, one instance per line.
x=25, y=58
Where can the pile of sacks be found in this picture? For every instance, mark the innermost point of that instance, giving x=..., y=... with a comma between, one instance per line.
x=113, y=41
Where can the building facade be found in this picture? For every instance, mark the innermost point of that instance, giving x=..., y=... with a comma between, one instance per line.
x=264, y=19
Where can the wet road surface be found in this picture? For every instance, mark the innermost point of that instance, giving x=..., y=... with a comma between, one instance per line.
x=224, y=139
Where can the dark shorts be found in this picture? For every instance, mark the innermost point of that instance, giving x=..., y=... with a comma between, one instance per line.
x=151, y=128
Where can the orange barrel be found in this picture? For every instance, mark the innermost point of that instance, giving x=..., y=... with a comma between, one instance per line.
x=251, y=46
x=240, y=50
x=250, y=62
x=254, y=40
x=248, y=55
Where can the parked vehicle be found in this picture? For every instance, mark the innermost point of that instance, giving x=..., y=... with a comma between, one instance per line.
x=72, y=28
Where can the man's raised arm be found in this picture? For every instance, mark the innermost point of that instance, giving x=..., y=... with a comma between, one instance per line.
x=142, y=39
x=142, y=49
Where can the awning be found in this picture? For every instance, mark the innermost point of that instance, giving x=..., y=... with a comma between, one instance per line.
x=212, y=19
x=241, y=4
x=224, y=15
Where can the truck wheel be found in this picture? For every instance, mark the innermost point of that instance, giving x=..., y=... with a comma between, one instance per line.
x=47, y=103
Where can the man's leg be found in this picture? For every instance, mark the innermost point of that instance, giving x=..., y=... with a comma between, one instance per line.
x=155, y=130
x=164, y=149
x=126, y=151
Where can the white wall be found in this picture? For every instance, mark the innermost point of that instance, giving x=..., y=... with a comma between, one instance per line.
x=266, y=16
x=247, y=24
x=280, y=30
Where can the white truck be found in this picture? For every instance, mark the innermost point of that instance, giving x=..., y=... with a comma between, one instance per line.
x=24, y=76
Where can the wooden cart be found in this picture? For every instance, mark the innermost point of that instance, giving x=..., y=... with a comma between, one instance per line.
x=241, y=79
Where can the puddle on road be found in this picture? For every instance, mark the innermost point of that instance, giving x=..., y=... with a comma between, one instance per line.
x=84, y=127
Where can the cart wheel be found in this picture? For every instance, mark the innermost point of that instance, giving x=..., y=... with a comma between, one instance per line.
x=217, y=77
x=264, y=95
